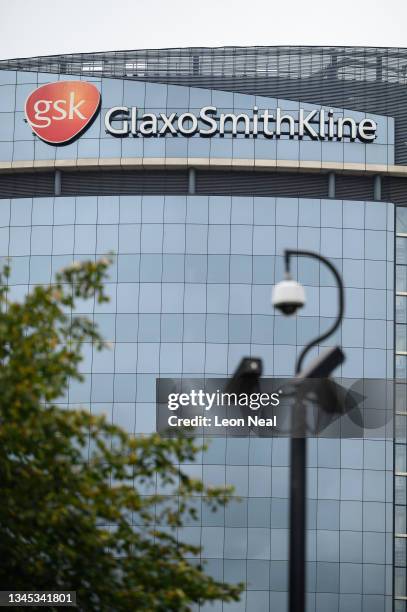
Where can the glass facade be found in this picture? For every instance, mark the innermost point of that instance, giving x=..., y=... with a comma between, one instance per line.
x=400, y=466
x=190, y=296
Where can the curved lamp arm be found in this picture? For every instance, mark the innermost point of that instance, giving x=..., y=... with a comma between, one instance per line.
x=294, y=253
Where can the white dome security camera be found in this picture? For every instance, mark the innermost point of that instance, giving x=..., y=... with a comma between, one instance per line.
x=288, y=296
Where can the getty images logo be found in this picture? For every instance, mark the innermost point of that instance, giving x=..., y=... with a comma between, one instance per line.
x=58, y=112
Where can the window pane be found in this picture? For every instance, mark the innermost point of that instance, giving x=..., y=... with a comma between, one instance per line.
x=400, y=524
x=401, y=309
x=401, y=397
x=401, y=250
x=401, y=278
x=401, y=338
x=401, y=219
x=401, y=367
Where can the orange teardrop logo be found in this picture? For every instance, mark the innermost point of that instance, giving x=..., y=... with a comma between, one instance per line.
x=58, y=112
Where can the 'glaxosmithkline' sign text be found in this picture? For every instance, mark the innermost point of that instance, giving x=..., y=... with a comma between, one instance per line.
x=60, y=112
x=317, y=125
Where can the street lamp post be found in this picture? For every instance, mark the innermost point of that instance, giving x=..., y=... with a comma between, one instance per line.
x=298, y=447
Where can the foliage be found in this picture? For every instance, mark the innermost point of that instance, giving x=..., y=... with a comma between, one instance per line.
x=74, y=513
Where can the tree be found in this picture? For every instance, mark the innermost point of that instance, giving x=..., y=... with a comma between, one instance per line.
x=73, y=518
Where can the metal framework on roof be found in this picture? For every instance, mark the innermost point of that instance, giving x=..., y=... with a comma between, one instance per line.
x=354, y=63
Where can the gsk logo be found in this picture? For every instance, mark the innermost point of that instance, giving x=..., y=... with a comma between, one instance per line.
x=58, y=112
